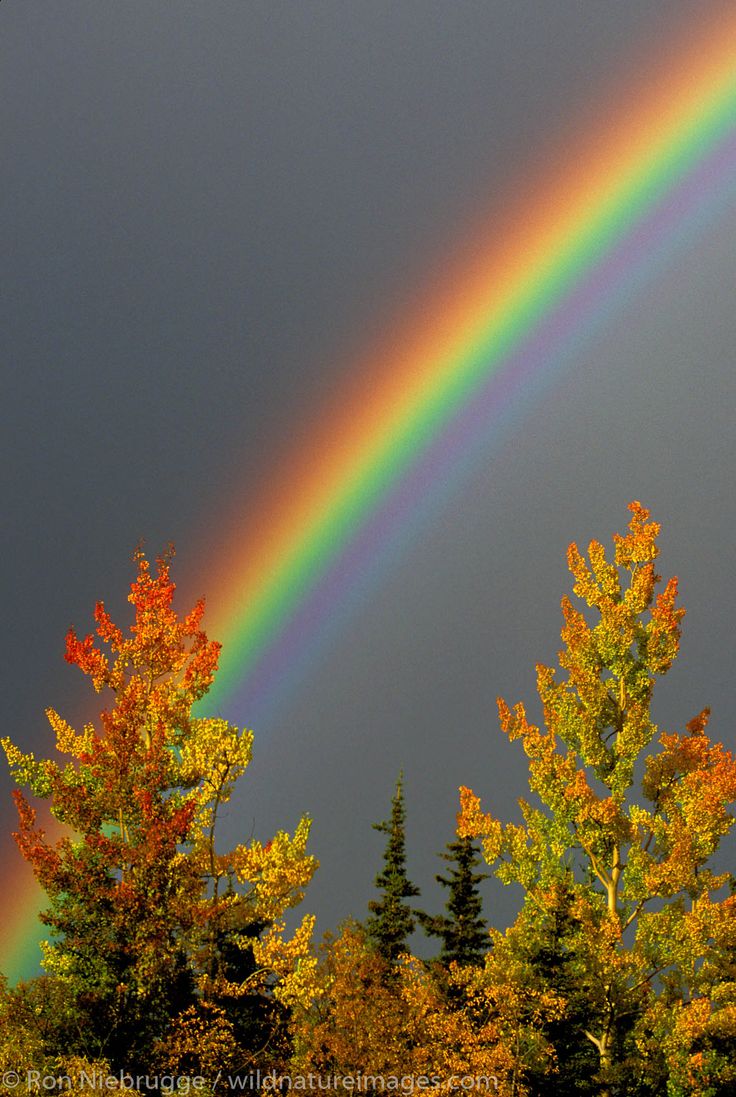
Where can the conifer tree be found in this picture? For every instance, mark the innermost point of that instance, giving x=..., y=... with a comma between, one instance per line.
x=392, y=920
x=463, y=929
x=543, y=945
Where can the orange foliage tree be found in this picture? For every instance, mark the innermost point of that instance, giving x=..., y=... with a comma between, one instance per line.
x=141, y=902
x=648, y=916
x=381, y=1019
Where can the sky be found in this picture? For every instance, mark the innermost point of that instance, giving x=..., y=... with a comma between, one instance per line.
x=211, y=214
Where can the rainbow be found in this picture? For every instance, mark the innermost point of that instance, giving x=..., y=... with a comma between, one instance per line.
x=504, y=318
x=19, y=952
x=430, y=400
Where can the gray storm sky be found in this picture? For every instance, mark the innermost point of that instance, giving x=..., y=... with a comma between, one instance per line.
x=207, y=209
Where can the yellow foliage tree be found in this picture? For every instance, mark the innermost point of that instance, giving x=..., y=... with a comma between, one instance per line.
x=643, y=900
x=472, y=1023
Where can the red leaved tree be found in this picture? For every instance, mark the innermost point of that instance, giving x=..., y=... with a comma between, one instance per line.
x=140, y=899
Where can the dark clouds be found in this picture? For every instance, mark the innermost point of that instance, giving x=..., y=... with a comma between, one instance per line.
x=207, y=208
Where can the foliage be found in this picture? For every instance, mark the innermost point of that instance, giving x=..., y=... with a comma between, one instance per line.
x=463, y=930
x=21, y=1039
x=141, y=900
x=169, y=955
x=539, y=950
x=36, y=1021
x=200, y=1042
x=392, y=920
x=642, y=897
x=372, y=1018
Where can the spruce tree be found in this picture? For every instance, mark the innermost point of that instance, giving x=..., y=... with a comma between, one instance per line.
x=392, y=920
x=547, y=953
x=463, y=929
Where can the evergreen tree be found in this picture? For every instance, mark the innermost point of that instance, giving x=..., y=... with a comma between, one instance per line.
x=392, y=920
x=544, y=945
x=463, y=929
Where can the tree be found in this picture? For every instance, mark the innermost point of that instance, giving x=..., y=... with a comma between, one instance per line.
x=356, y=1023
x=643, y=900
x=392, y=921
x=539, y=948
x=37, y=1026
x=139, y=896
x=373, y=1020
x=463, y=930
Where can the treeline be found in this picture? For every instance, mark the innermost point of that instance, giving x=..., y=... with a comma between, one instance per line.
x=168, y=956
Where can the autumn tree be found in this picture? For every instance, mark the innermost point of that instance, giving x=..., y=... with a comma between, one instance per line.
x=462, y=929
x=140, y=898
x=644, y=903
x=355, y=1022
x=392, y=921
x=37, y=1029
x=375, y=1019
